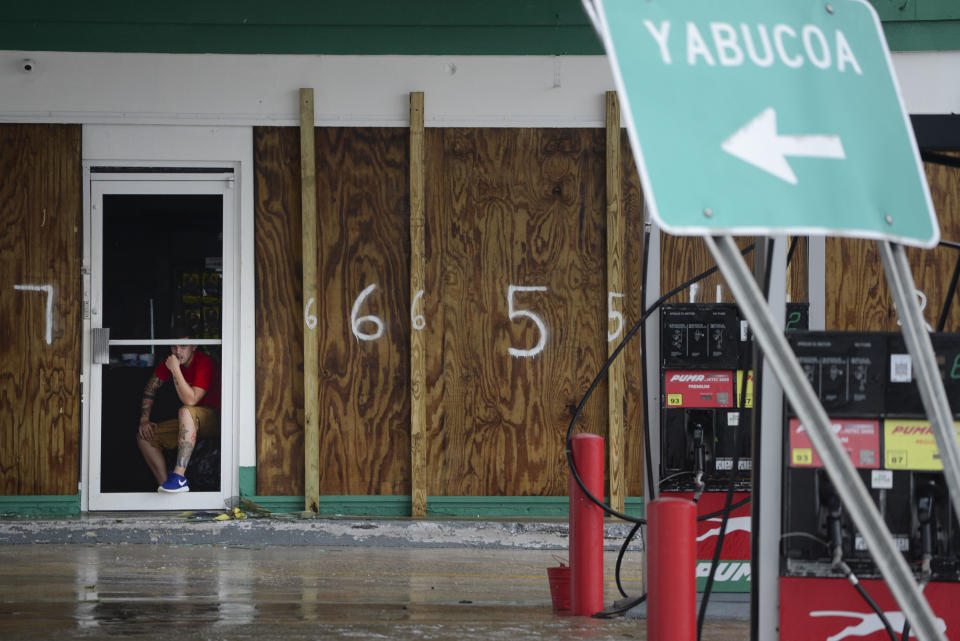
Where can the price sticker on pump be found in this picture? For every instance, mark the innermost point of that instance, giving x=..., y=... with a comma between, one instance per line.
x=860, y=439
x=911, y=445
x=698, y=388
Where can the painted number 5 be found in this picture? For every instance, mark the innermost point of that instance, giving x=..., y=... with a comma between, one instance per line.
x=522, y=313
x=614, y=316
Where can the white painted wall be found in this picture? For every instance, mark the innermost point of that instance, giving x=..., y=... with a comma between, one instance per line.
x=262, y=90
x=496, y=91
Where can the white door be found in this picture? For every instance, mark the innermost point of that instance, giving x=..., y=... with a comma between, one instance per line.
x=161, y=251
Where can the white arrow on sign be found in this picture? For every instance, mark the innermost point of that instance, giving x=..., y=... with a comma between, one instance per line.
x=759, y=144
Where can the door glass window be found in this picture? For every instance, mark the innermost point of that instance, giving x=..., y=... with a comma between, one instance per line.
x=162, y=266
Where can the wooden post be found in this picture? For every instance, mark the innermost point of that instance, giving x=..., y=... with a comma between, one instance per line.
x=311, y=389
x=616, y=377
x=418, y=408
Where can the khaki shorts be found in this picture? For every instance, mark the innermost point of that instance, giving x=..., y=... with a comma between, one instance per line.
x=166, y=435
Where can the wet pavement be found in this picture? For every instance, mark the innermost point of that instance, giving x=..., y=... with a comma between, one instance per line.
x=292, y=592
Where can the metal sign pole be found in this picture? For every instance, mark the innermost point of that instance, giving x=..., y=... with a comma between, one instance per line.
x=924, y=360
x=767, y=473
x=855, y=497
x=651, y=292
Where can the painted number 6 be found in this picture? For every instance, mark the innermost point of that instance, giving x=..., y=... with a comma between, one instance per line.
x=356, y=322
x=308, y=318
x=518, y=313
x=419, y=322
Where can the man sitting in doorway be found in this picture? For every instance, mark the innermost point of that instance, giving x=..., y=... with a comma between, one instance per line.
x=197, y=382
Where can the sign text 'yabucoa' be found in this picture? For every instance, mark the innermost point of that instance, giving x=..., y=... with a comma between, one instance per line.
x=728, y=45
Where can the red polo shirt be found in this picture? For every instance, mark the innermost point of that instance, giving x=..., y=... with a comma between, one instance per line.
x=202, y=372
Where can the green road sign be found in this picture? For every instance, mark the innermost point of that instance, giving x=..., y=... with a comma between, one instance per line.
x=767, y=117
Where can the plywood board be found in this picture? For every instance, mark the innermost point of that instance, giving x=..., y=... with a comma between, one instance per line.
x=40, y=307
x=858, y=298
x=521, y=209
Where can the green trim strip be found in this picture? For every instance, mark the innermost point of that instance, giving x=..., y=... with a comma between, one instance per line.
x=923, y=36
x=351, y=505
x=248, y=480
x=373, y=27
x=41, y=505
x=898, y=10
x=437, y=506
x=301, y=39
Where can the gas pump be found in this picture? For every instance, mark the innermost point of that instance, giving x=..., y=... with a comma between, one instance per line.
x=705, y=427
x=865, y=382
x=706, y=413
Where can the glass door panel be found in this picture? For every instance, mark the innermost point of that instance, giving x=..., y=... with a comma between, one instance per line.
x=158, y=265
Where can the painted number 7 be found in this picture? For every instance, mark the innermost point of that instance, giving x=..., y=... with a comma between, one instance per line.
x=48, y=290
x=522, y=313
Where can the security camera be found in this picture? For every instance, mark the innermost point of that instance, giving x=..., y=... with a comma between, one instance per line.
x=29, y=65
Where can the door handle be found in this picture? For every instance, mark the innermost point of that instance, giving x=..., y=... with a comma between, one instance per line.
x=101, y=345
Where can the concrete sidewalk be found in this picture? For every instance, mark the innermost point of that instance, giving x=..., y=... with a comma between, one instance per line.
x=203, y=528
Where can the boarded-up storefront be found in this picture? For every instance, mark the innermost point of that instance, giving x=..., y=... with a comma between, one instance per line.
x=514, y=309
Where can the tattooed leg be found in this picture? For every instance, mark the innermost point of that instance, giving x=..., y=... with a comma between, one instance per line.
x=186, y=442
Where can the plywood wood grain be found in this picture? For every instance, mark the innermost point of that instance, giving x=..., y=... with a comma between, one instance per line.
x=632, y=197
x=40, y=246
x=616, y=254
x=279, y=321
x=364, y=205
x=418, y=364
x=308, y=289
x=503, y=209
x=363, y=241
x=521, y=208
x=858, y=298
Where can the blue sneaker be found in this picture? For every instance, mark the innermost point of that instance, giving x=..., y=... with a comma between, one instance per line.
x=174, y=484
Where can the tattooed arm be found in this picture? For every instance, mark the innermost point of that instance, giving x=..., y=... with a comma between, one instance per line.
x=146, y=405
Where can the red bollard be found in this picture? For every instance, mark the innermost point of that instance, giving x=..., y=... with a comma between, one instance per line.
x=671, y=570
x=586, y=527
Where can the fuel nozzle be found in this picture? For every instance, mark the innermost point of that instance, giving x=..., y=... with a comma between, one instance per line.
x=698, y=434
x=928, y=493
x=699, y=449
x=925, y=516
x=831, y=503
x=834, y=527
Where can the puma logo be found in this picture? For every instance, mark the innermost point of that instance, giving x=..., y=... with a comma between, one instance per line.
x=869, y=623
x=734, y=524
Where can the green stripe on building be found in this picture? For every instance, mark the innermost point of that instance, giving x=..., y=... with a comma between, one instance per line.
x=373, y=27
